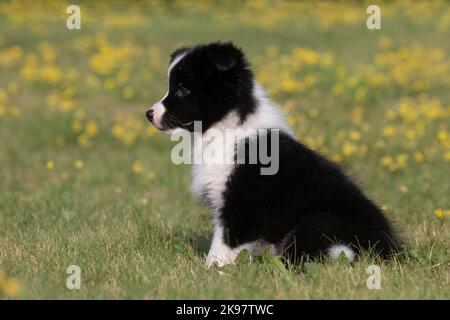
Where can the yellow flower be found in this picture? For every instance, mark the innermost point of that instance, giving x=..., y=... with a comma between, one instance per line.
x=442, y=214
x=444, y=139
x=108, y=57
x=79, y=164
x=137, y=167
x=10, y=56
x=401, y=160
x=109, y=84
x=389, y=131
x=151, y=131
x=349, y=149
x=306, y=56
x=83, y=140
x=355, y=135
x=418, y=156
x=443, y=135
x=447, y=156
x=292, y=120
x=50, y=165
x=336, y=157
x=51, y=74
x=289, y=85
x=386, y=161
x=410, y=134
x=127, y=129
x=10, y=287
x=91, y=128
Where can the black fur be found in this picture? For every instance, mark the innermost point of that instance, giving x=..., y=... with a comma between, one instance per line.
x=308, y=205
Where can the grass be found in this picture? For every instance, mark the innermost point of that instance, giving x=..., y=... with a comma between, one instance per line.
x=124, y=212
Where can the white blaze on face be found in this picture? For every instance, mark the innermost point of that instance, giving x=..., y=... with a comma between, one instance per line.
x=158, y=108
x=158, y=111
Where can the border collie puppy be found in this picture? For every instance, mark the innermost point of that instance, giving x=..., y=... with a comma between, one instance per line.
x=309, y=208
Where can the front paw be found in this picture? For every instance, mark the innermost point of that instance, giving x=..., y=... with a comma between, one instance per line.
x=220, y=259
x=214, y=261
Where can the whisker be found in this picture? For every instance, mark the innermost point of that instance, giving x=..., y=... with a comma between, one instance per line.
x=176, y=121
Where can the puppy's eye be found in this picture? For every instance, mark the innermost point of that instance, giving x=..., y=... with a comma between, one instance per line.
x=182, y=92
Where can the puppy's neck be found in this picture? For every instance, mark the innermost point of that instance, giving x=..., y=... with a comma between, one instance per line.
x=266, y=115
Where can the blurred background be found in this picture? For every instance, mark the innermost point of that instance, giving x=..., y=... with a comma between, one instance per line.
x=84, y=178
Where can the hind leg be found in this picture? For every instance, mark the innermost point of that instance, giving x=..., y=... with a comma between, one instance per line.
x=316, y=236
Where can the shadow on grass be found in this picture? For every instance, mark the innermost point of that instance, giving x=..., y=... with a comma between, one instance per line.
x=199, y=241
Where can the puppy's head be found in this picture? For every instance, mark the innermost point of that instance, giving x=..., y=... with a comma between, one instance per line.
x=205, y=82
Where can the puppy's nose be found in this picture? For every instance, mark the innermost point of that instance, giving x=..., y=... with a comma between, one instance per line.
x=149, y=115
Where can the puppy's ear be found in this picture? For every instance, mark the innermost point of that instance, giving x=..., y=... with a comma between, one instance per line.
x=224, y=56
x=178, y=52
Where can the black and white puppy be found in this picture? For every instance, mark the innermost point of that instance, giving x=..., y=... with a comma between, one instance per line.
x=308, y=209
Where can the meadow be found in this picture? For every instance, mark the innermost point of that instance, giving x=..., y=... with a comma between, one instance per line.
x=85, y=180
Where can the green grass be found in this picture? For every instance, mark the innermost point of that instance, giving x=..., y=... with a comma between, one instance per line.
x=132, y=248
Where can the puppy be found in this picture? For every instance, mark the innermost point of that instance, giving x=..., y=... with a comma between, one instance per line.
x=306, y=208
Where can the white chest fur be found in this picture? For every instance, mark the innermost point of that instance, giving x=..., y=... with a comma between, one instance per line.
x=209, y=180
x=210, y=175
x=209, y=183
